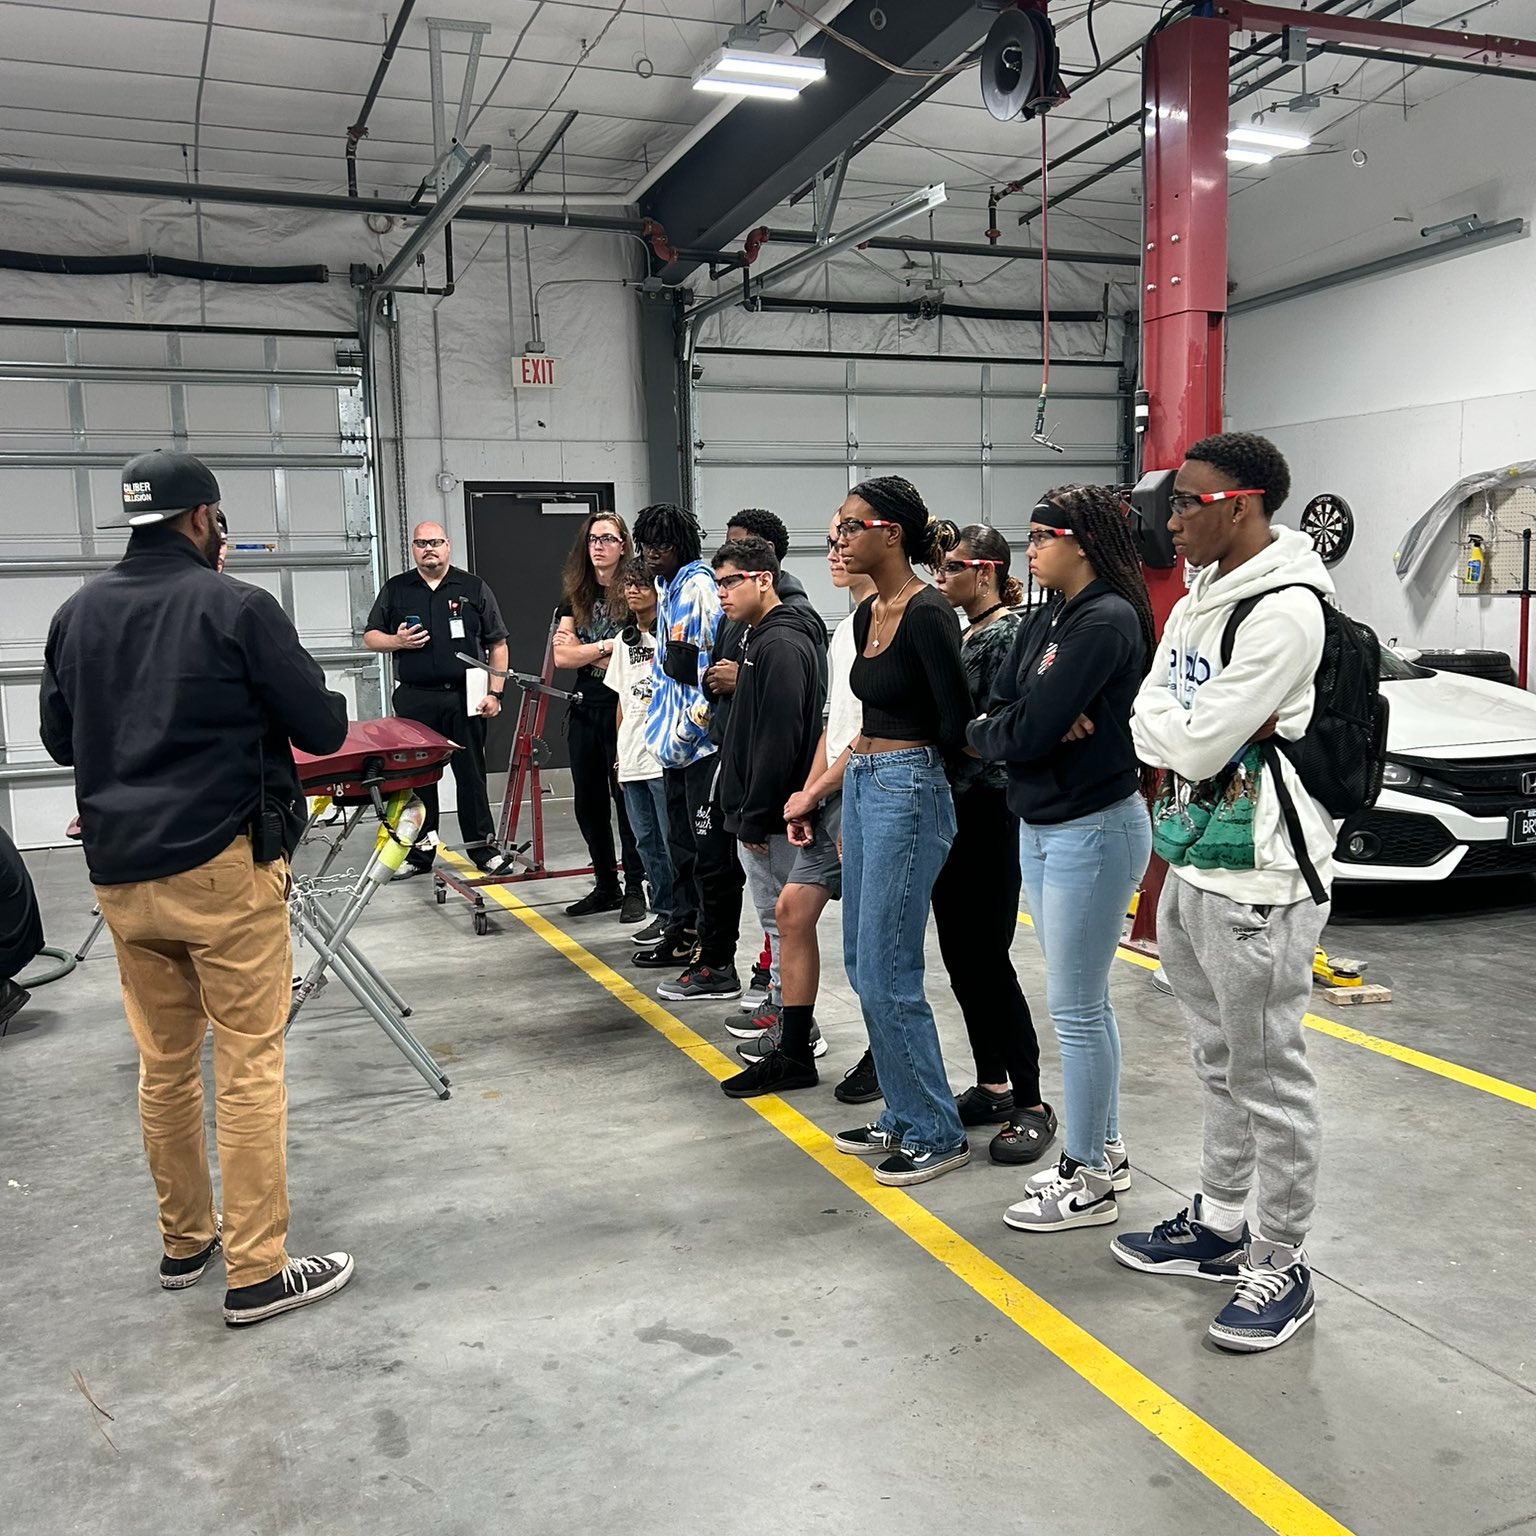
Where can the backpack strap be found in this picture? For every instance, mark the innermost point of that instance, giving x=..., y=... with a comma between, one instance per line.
x=1272, y=750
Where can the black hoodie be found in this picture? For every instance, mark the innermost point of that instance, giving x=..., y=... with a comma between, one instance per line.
x=728, y=642
x=775, y=721
x=1085, y=657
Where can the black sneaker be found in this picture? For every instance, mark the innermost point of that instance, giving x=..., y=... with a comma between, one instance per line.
x=653, y=932
x=864, y=1139
x=632, y=908
x=302, y=1282
x=980, y=1106
x=12, y=1000
x=701, y=981
x=596, y=900
x=860, y=1085
x=1026, y=1137
x=775, y=1073
x=911, y=1167
x=411, y=868
x=670, y=953
x=178, y=1274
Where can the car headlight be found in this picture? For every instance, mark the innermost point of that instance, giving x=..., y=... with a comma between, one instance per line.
x=1396, y=776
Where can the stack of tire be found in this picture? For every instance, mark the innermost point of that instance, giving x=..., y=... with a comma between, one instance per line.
x=1495, y=666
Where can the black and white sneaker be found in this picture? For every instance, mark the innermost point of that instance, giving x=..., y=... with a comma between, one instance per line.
x=669, y=952
x=773, y=1073
x=757, y=990
x=650, y=934
x=860, y=1084
x=304, y=1281
x=178, y=1274
x=1075, y=1197
x=865, y=1139
x=701, y=981
x=410, y=868
x=909, y=1166
x=769, y=1040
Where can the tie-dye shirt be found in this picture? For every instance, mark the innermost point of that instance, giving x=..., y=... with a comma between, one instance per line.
x=687, y=615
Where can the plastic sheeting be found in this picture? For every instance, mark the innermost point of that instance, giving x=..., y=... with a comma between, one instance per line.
x=1416, y=544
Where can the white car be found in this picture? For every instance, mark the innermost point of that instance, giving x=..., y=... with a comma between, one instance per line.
x=1460, y=791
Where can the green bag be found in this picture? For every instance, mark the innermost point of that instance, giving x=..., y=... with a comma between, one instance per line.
x=1210, y=825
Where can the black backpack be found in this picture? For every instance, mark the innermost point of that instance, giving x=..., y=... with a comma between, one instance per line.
x=1341, y=758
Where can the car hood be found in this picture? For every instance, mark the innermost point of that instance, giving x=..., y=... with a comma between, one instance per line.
x=1458, y=716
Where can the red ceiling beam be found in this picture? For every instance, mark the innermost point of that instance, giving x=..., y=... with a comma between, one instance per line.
x=1322, y=26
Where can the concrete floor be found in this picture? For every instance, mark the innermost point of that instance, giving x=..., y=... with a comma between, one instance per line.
x=592, y=1292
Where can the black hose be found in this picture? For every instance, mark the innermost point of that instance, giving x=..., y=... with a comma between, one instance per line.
x=147, y=264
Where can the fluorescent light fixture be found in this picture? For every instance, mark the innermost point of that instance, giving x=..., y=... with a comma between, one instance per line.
x=1268, y=138
x=747, y=88
x=738, y=72
x=1248, y=157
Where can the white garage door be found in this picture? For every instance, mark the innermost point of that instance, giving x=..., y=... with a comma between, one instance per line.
x=279, y=418
x=794, y=433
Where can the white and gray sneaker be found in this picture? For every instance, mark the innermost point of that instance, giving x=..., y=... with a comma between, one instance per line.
x=1075, y=1197
x=769, y=1040
x=1114, y=1154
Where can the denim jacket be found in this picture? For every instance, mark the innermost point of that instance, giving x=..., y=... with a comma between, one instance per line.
x=687, y=615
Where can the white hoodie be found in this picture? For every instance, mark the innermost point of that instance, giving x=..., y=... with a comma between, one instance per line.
x=1194, y=717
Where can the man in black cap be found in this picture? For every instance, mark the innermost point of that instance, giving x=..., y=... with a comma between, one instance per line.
x=424, y=617
x=174, y=693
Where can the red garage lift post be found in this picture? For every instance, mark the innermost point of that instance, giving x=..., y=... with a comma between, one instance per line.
x=1184, y=263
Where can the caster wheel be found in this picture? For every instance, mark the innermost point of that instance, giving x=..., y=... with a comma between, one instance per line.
x=440, y=894
x=482, y=924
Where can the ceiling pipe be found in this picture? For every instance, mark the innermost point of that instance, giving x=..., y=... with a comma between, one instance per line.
x=969, y=248
x=548, y=150
x=359, y=129
x=925, y=309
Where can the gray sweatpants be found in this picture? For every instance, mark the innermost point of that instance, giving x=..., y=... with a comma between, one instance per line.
x=766, y=875
x=1242, y=976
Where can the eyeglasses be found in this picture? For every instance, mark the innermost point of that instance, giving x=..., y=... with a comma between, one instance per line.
x=1038, y=536
x=604, y=539
x=657, y=549
x=428, y=543
x=1187, y=501
x=853, y=526
x=959, y=567
x=735, y=579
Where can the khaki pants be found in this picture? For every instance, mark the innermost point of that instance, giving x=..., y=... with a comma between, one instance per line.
x=212, y=946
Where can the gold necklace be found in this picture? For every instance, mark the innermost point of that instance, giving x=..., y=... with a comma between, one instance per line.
x=880, y=619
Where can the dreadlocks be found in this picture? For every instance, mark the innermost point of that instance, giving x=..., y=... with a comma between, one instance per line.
x=923, y=538
x=665, y=525
x=1097, y=519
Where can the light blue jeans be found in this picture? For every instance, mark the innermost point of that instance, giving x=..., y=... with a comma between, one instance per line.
x=646, y=802
x=898, y=824
x=1078, y=880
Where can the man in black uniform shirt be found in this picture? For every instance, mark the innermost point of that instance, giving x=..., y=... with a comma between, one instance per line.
x=424, y=617
x=174, y=693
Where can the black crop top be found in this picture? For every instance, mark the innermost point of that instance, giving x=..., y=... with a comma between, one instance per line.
x=914, y=689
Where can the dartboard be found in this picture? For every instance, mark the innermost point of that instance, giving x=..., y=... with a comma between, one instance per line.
x=1329, y=523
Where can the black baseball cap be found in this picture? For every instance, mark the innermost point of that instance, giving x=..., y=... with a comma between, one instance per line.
x=164, y=484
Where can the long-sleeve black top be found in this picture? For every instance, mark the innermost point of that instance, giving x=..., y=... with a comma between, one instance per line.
x=1085, y=657
x=915, y=688
x=171, y=691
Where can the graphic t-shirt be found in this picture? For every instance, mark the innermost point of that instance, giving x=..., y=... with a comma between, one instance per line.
x=631, y=676
x=598, y=625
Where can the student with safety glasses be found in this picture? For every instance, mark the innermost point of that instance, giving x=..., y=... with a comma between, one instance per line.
x=1061, y=722
x=899, y=819
x=976, y=897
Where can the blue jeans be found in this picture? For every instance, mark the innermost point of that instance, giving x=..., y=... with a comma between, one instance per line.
x=646, y=802
x=1078, y=880
x=898, y=825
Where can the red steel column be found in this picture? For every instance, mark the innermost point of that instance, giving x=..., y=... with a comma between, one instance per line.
x=1184, y=279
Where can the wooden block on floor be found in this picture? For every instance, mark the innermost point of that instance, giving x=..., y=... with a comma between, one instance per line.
x=1350, y=997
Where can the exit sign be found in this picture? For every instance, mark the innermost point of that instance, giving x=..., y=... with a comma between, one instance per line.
x=535, y=371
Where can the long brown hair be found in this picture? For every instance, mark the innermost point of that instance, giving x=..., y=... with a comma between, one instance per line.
x=579, y=586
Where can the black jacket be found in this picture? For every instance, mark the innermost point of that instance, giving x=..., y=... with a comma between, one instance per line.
x=21, y=924
x=167, y=687
x=728, y=641
x=1085, y=657
x=775, y=722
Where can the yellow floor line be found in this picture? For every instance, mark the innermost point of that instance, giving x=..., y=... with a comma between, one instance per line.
x=1268, y=1497
x=1453, y=1070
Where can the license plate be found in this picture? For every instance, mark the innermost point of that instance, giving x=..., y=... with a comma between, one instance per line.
x=1522, y=825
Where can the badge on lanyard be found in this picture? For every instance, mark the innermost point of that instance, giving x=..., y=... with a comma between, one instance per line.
x=455, y=619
